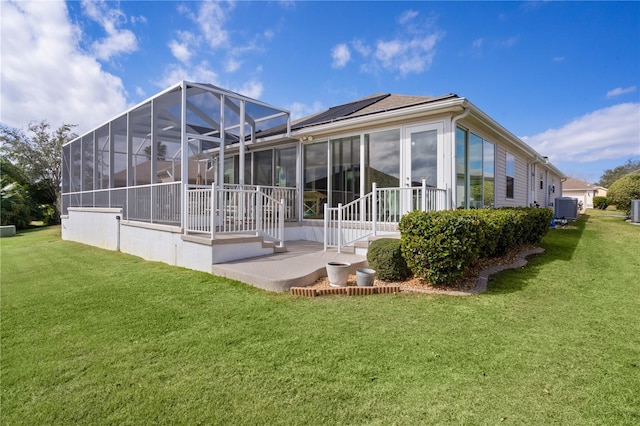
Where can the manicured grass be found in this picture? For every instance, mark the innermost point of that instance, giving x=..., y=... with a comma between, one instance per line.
x=97, y=337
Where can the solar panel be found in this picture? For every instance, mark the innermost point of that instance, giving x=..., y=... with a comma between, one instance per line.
x=340, y=111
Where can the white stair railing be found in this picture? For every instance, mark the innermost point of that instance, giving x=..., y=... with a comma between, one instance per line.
x=234, y=210
x=378, y=211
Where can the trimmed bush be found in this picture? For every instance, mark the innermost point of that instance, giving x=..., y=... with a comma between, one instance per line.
x=439, y=246
x=600, y=203
x=622, y=191
x=539, y=221
x=384, y=255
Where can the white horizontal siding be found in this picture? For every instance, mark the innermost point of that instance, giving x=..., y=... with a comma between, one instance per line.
x=520, y=180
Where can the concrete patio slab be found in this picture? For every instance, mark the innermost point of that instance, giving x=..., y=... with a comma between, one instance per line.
x=301, y=265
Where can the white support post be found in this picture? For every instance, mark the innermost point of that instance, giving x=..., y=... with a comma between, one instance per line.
x=448, y=199
x=326, y=225
x=241, y=151
x=184, y=149
x=213, y=211
x=220, y=177
x=424, y=195
x=259, y=205
x=281, y=222
x=374, y=208
x=339, y=227
x=185, y=210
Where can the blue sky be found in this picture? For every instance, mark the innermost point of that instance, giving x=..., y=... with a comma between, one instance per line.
x=563, y=76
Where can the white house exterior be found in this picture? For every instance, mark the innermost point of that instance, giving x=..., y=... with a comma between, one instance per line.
x=254, y=180
x=582, y=191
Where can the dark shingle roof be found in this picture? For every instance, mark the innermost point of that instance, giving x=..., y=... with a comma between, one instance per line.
x=373, y=104
x=370, y=105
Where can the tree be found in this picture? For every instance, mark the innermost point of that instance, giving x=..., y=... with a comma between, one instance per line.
x=161, y=151
x=14, y=204
x=612, y=175
x=38, y=156
x=625, y=189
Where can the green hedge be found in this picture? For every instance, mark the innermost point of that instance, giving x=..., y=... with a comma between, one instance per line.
x=385, y=257
x=623, y=191
x=600, y=203
x=440, y=246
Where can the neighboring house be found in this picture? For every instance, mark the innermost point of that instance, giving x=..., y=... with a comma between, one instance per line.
x=583, y=192
x=182, y=176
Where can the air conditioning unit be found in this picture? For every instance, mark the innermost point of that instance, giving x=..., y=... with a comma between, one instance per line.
x=567, y=208
x=635, y=211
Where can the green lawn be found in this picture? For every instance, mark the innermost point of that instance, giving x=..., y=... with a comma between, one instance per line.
x=98, y=337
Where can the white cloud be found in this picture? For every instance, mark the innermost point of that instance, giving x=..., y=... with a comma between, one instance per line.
x=607, y=133
x=411, y=51
x=211, y=18
x=477, y=43
x=183, y=48
x=558, y=59
x=207, y=36
x=252, y=89
x=46, y=75
x=341, y=55
x=200, y=72
x=118, y=40
x=361, y=47
x=232, y=65
x=407, y=56
x=407, y=16
x=140, y=93
x=621, y=91
x=299, y=110
x=180, y=51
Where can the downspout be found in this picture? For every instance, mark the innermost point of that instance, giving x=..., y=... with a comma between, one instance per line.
x=118, y=234
x=547, y=193
x=531, y=177
x=454, y=184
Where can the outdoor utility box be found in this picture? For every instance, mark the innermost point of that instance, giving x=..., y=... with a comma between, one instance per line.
x=566, y=208
x=635, y=211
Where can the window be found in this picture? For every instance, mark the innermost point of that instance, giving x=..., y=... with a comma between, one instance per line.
x=286, y=167
x=262, y=168
x=382, y=159
x=461, y=168
x=541, y=179
x=345, y=164
x=475, y=171
x=315, y=179
x=511, y=172
x=475, y=158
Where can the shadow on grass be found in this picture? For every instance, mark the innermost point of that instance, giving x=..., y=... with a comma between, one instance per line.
x=559, y=244
x=32, y=229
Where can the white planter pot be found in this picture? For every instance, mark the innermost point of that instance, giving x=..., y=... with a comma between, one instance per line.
x=338, y=273
x=365, y=277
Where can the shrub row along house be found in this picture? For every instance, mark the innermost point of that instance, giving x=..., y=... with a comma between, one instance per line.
x=198, y=175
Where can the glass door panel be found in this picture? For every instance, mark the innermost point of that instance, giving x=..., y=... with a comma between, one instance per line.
x=421, y=145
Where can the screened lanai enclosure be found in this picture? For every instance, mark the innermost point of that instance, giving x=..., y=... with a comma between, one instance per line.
x=154, y=160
